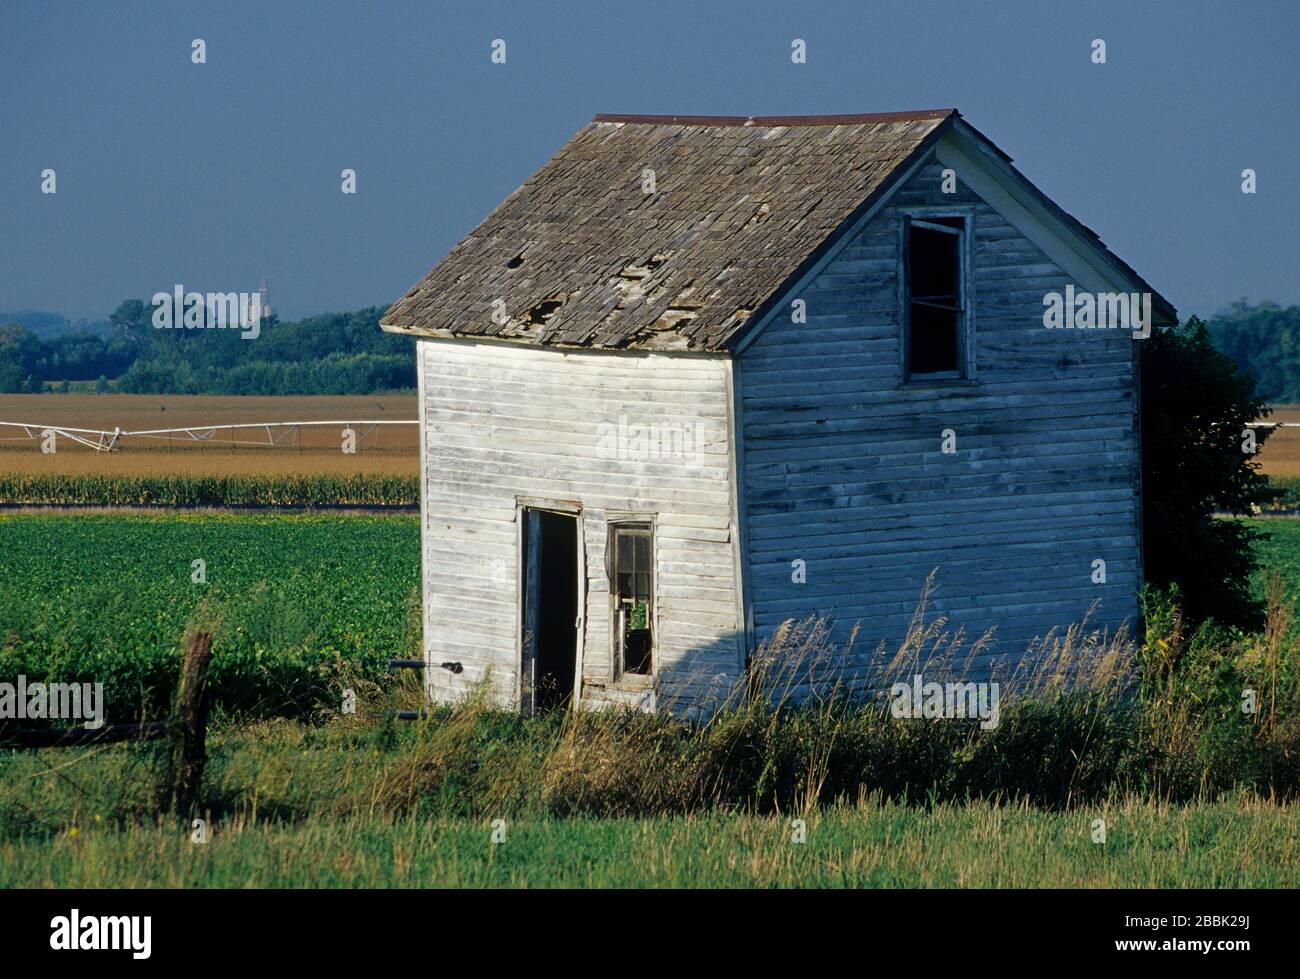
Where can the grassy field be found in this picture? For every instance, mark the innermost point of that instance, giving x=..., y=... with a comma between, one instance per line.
x=358, y=803
x=304, y=605
x=392, y=451
x=1220, y=845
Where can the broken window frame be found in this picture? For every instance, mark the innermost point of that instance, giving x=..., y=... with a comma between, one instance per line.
x=962, y=220
x=634, y=527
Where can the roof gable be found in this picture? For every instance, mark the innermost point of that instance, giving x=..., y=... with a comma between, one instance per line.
x=582, y=255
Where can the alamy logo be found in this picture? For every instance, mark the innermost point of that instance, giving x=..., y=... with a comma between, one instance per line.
x=53, y=701
x=179, y=309
x=638, y=442
x=102, y=932
x=1102, y=311
x=946, y=700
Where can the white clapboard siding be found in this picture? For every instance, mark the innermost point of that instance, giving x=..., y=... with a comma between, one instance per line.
x=843, y=468
x=503, y=421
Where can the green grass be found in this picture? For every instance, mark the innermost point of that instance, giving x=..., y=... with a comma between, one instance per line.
x=300, y=601
x=597, y=801
x=1221, y=845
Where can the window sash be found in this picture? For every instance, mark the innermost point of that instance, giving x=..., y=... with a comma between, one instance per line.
x=945, y=228
x=631, y=585
x=955, y=304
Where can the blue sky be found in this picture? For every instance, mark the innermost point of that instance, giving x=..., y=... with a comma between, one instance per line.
x=212, y=175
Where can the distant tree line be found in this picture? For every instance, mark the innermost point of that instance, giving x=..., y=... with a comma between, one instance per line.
x=28, y=359
x=347, y=353
x=1264, y=340
x=333, y=353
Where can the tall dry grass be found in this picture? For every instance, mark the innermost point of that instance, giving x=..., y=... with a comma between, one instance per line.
x=1087, y=718
x=1086, y=715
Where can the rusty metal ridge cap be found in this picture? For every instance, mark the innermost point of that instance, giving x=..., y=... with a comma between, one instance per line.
x=848, y=119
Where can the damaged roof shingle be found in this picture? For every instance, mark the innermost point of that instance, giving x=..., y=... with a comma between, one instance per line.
x=581, y=256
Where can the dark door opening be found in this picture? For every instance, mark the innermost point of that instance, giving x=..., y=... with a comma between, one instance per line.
x=550, y=609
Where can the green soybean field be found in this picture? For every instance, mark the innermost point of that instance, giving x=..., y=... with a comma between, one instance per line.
x=297, y=602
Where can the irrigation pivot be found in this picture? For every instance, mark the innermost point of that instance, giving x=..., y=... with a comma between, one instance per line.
x=254, y=434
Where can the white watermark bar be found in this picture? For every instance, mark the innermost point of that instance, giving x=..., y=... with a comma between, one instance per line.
x=23, y=701
x=1098, y=311
x=946, y=701
x=181, y=310
x=101, y=932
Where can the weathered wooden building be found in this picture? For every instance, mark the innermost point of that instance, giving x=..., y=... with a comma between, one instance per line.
x=701, y=375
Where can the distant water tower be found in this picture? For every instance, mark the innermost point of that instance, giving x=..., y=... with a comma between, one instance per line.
x=264, y=298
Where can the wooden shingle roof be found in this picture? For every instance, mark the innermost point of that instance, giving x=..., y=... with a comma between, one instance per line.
x=662, y=232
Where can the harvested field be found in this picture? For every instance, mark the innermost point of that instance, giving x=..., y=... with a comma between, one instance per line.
x=389, y=451
x=1281, y=453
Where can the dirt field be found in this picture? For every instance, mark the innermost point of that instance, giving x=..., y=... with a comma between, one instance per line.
x=390, y=450
x=1281, y=454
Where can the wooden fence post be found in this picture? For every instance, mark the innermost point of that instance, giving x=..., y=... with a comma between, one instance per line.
x=189, y=745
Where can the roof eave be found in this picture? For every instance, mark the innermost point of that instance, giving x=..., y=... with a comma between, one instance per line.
x=1164, y=311
x=425, y=333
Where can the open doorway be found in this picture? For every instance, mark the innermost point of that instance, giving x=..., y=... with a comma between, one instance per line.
x=551, y=615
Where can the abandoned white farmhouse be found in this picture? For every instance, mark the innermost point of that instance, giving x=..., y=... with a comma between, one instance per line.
x=701, y=375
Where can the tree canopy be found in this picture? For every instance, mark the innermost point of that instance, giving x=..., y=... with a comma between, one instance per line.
x=1196, y=403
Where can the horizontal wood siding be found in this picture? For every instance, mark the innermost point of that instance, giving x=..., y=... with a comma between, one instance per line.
x=843, y=466
x=502, y=422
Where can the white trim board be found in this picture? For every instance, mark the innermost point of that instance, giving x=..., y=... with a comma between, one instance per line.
x=1023, y=205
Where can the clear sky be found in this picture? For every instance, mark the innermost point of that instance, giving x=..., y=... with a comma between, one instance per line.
x=212, y=175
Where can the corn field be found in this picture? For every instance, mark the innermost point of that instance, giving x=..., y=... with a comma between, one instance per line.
x=179, y=490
